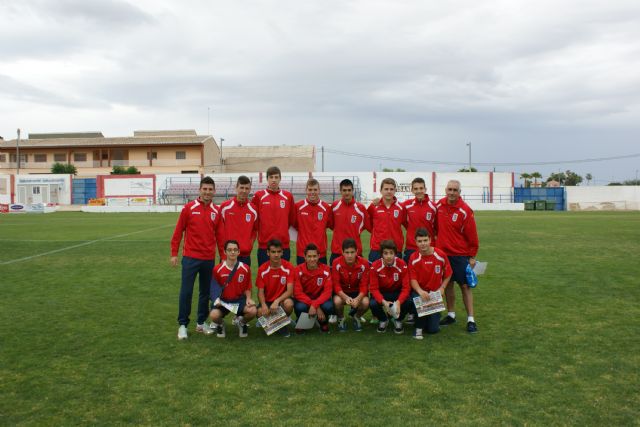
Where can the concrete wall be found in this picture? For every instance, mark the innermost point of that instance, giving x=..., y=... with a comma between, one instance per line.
x=6, y=188
x=603, y=198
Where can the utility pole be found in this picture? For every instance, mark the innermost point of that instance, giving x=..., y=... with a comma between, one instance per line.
x=18, y=152
x=208, y=121
x=221, y=159
x=322, y=149
x=469, y=145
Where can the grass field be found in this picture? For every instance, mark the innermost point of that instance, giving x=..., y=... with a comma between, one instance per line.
x=88, y=335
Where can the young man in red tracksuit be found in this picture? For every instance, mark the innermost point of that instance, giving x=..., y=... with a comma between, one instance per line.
x=201, y=225
x=240, y=220
x=389, y=285
x=387, y=217
x=236, y=290
x=275, y=281
x=421, y=213
x=429, y=271
x=350, y=276
x=313, y=217
x=312, y=289
x=350, y=219
x=458, y=239
x=276, y=213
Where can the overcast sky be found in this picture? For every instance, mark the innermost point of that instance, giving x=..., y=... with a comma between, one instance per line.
x=523, y=81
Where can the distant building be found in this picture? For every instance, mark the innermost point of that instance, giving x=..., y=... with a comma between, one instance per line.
x=553, y=183
x=151, y=152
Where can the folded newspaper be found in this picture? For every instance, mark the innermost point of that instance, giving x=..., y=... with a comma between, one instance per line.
x=231, y=307
x=274, y=322
x=434, y=305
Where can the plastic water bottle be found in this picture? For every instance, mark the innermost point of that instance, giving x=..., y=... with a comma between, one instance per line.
x=472, y=279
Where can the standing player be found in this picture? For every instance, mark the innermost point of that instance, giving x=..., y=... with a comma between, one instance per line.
x=201, y=225
x=240, y=219
x=389, y=285
x=429, y=271
x=350, y=276
x=387, y=217
x=312, y=289
x=313, y=217
x=235, y=278
x=350, y=218
x=275, y=283
x=421, y=213
x=458, y=239
x=276, y=212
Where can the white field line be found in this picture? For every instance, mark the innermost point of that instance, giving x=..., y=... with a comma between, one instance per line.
x=90, y=242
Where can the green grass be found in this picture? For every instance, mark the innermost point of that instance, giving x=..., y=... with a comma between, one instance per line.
x=88, y=336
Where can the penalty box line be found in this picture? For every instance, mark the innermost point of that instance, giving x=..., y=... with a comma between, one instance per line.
x=79, y=245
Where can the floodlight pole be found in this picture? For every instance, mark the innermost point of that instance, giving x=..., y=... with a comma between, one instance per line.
x=322, y=148
x=18, y=153
x=221, y=160
x=469, y=145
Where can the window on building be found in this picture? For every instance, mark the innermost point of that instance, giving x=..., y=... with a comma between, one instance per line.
x=40, y=158
x=13, y=158
x=79, y=157
x=35, y=189
x=181, y=155
x=152, y=155
x=3, y=158
x=59, y=157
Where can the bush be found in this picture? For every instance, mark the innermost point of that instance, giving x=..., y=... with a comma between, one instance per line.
x=64, y=168
x=121, y=170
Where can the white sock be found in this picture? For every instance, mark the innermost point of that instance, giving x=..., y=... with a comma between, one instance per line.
x=418, y=331
x=452, y=314
x=470, y=319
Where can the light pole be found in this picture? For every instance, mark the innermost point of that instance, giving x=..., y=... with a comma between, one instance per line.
x=469, y=145
x=18, y=153
x=221, y=161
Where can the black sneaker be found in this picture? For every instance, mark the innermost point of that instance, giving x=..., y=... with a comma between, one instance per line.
x=448, y=320
x=471, y=327
x=284, y=332
x=397, y=326
x=410, y=319
x=382, y=327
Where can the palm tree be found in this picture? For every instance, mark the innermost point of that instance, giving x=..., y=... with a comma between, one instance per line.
x=526, y=177
x=589, y=177
x=535, y=176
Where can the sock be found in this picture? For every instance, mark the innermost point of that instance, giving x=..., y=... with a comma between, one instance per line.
x=470, y=319
x=418, y=331
x=452, y=314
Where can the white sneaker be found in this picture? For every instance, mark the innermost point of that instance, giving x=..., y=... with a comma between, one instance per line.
x=397, y=326
x=182, y=333
x=243, y=331
x=417, y=334
x=221, y=331
x=204, y=328
x=333, y=319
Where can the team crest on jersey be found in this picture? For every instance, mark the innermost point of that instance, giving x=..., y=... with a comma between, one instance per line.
x=319, y=281
x=396, y=277
x=240, y=278
x=454, y=218
x=396, y=214
x=359, y=275
x=213, y=216
x=428, y=216
x=283, y=280
x=247, y=217
x=353, y=219
x=282, y=204
x=320, y=216
x=438, y=269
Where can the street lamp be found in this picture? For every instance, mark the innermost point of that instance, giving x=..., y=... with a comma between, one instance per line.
x=469, y=145
x=18, y=153
x=221, y=160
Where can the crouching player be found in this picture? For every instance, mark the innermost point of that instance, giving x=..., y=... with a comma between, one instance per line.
x=275, y=283
x=312, y=289
x=350, y=276
x=235, y=278
x=389, y=285
x=429, y=271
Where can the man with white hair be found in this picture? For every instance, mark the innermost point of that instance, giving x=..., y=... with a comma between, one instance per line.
x=458, y=239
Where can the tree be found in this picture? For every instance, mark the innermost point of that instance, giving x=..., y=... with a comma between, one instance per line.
x=560, y=177
x=387, y=170
x=467, y=169
x=535, y=176
x=588, y=177
x=632, y=182
x=526, y=176
x=572, y=178
x=65, y=168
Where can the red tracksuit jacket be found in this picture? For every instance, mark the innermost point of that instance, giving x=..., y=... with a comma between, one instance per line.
x=275, y=214
x=389, y=279
x=387, y=224
x=456, y=227
x=350, y=279
x=274, y=280
x=240, y=222
x=429, y=270
x=240, y=282
x=312, y=287
x=349, y=220
x=202, y=226
x=312, y=221
x=420, y=213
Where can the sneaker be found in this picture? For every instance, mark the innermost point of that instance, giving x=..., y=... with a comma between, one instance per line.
x=324, y=328
x=362, y=319
x=448, y=320
x=243, y=330
x=397, y=326
x=342, y=325
x=357, y=326
x=417, y=334
x=410, y=319
x=284, y=332
x=333, y=319
x=182, y=333
x=471, y=327
x=204, y=328
x=300, y=332
x=382, y=327
x=221, y=331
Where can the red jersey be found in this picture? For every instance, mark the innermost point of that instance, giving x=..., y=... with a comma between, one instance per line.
x=389, y=279
x=202, y=226
x=240, y=222
x=276, y=213
x=312, y=221
x=456, y=226
x=350, y=279
x=240, y=282
x=420, y=214
x=274, y=280
x=429, y=270
x=312, y=287
x=349, y=220
x=387, y=224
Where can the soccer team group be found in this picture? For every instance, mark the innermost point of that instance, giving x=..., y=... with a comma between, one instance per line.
x=441, y=241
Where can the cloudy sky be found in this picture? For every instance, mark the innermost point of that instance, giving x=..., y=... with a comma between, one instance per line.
x=524, y=82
